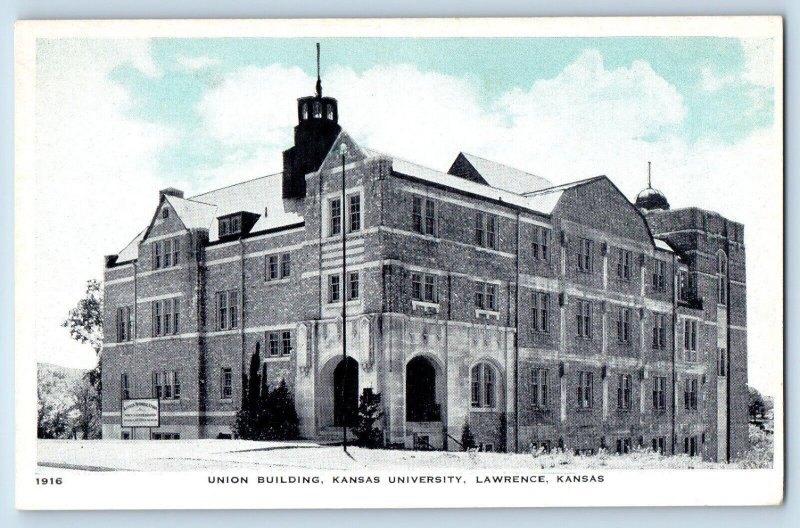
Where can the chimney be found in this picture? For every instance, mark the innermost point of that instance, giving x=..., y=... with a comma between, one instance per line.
x=170, y=191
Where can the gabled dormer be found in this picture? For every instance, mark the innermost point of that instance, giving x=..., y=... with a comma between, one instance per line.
x=236, y=225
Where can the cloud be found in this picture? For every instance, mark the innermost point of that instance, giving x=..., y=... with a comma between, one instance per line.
x=196, y=63
x=759, y=66
x=711, y=81
x=92, y=162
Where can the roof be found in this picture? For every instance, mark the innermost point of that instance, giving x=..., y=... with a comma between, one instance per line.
x=194, y=214
x=663, y=244
x=260, y=195
x=505, y=177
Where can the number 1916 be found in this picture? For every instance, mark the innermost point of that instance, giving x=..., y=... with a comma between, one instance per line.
x=49, y=481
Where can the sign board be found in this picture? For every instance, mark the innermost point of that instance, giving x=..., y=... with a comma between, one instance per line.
x=143, y=412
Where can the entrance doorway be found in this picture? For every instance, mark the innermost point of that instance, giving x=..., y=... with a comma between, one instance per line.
x=345, y=393
x=421, y=403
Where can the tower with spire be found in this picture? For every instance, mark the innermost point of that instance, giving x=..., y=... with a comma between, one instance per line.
x=651, y=199
x=316, y=130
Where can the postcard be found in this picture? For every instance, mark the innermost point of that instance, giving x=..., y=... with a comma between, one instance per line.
x=404, y=263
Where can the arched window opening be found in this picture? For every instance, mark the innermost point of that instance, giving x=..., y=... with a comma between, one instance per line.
x=317, y=110
x=483, y=386
x=330, y=112
x=305, y=111
x=345, y=391
x=722, y=278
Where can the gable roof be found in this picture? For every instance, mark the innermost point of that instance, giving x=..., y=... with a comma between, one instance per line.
x=497, y=174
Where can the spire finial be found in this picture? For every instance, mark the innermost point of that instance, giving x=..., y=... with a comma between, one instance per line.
x=319, y=81
x=649, y=185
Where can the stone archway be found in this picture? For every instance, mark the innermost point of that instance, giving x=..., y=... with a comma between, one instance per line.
x=421, y=391
x=345, y=393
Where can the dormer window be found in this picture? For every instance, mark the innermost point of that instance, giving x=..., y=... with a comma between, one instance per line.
x=231, y=225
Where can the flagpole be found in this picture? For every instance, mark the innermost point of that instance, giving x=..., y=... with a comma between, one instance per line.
x=343, y=286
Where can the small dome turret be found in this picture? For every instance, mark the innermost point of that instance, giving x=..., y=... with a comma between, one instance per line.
x=651, y=199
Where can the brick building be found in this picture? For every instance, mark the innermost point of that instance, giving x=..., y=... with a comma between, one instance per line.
x=542, y=315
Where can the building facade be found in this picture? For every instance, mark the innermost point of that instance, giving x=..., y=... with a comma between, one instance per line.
x=543, y=316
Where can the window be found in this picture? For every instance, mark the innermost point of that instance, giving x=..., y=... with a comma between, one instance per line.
x=335, y=224
x=722, y=362
x=624, y=392
x=334, y=288
x=226, y=383
x=124, y=324
x=278, y=266
x=485, y=230
x=157, y=255
x=722, y=278
x=541, y=312
x=355, y=212
x=286, y=265
x=483, y=386
x=659, y=275
x=690, y=394
x=166, y=436
x=165, y=213
x=274, y=344
x=690, y=339
x=166, y=253
x=227, y=309
x=624, y=325
x=660, y=445
x=539, y=387
x=423, y=215
x=165, y=317
x=353, y=286
x=584, y=318
x=124, y=387
x=585, y=255
x=659, y=331
x=305, y=111
x=486, y=296
x=659, y=393
x=166, y=385
x=286, y=343
x=330, y=111
x=317, y=110
x=279, y=343
x=231, y=225
x=624, y=264
x=585, y=389
x=623, y=446
x=541, y=243
x=423, y=287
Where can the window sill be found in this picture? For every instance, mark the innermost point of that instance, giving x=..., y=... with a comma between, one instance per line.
x=276, y=359
x=226, y=400
x=483, y=409
x=278, y=281
x=425, y=306
x=334, y=304
x=487, y=314
x=169, y=401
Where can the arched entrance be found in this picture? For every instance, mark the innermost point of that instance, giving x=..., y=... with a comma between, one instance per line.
x=345, y=392
x=421, y=405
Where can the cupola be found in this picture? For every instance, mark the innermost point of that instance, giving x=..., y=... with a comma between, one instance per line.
x=651, y=199
x=316, y=130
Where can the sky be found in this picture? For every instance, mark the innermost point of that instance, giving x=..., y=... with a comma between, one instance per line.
x=117, y=120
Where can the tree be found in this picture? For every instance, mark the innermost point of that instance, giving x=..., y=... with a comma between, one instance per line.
x=265, y=414
x=467, y=440
x=369, y=413
x=85, y=325
x=756, y=405
x=281, y=422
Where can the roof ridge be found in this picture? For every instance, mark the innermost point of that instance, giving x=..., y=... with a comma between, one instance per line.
x=232, y=185
x=562, y=185
x=170, y=197
x=502, y=163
